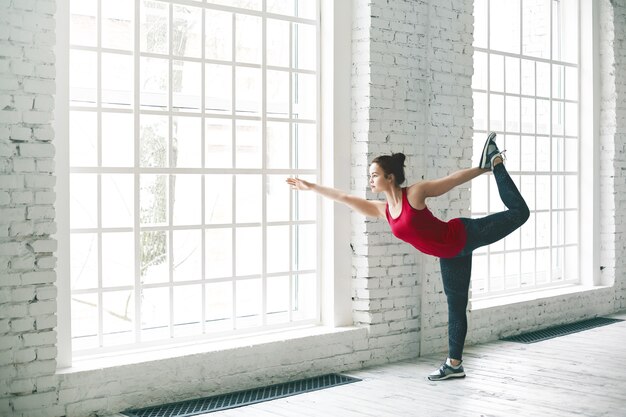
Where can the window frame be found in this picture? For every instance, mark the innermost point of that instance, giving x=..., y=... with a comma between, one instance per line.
x=332, y=261
x=587, y=173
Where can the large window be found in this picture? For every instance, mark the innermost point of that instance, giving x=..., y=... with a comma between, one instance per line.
x=526, y=87
x=185, y=119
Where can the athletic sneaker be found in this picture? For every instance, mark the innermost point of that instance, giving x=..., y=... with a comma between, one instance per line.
x=445, y=371
x=489, y=150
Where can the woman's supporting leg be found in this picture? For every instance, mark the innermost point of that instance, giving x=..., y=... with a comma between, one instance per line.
x=490, y=229
x=456, y=273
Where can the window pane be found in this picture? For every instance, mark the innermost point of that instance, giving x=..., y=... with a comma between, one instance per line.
x=117, y=24
x=84, y=321
x=218, y=88
x=154, y=79
x=249, y=142
x=219, y=306
x=84, y=260
x=528, y=268
x=527, y=188
x=512, y=75
x=565, y=30
x=528, y=153
x=118, y=148
x=571, y=231
x=218, y=35
x=83, y=139
x=118, y=318
x=304, y=104
x=536, y=28
x=277, y=93
x=153, y=137
x=154, y=257
x=248, y=204
x=528, y=77
x=571, y=155
x=305, y=145
x=186, y=86
x=512, y=114
x=117, y=80
x=248, y=91
x=512, y=144
x=154, y=318
x=187, y=310
x=219, y=201
x=218, y=140
x=83, y=201
x=479, y=78
x=187, y=199
x=218, y=253
x=496, y=73
x=187, y=255
x=543, y=79
x=480, y=111
x=571, y=191
x=305, y=56
x=118, y=259
x=543, y=229
x=528, y=115
x=496, y=120
x=277, y=299
x=277, y=42
x=153, y=197
x=558, y=81
x=83, y=24
x=571, y=83
x=186, y=142
x=154, y=26
x=277, y=145
x=306, y=247
x=505, y=29
x=277, y=199
x=543, y=116
x=480, y=23
x=117, y=200
x=83, y=76
x=247, y=39
x=305, y=296
x=277, y=249
x=248, y=305
x=558, y=116
x=571, y=119
x=543, y=192
x=512, y=270
x=249, y=254
x=187, y=31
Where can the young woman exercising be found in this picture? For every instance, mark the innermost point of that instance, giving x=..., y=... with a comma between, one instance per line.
x=452, y=242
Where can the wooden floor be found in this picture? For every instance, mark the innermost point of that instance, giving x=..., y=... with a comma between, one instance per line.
x=582, y=374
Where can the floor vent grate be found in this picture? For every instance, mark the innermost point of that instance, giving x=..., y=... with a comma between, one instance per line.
x=562, y=330
x=242, y=398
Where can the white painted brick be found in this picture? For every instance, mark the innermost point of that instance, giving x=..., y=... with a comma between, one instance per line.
x=24, y=165
x=36, y=117
x=22, y=325
x=46, y=322
x=20, y=133
x=42, y=307
x=39, y=86
x=40, y=338
x=38, y=277
x=34, y=401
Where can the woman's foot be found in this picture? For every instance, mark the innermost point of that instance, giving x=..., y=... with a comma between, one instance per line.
x=447, y=371
x=489, y=150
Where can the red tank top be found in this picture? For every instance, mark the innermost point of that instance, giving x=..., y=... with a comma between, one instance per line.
x=427, y=233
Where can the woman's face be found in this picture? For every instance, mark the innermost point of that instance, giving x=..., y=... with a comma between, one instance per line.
x=378, y=181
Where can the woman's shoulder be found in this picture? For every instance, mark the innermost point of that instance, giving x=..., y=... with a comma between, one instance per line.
x=416, y=196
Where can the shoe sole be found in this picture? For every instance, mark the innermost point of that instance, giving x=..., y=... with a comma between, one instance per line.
x=458, y=375
x=483, y=158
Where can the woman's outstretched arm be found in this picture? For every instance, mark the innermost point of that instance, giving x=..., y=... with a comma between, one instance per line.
x=361, y=205
x=435, y=188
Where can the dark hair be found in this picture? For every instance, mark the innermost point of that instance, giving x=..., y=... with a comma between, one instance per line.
x=392, y=164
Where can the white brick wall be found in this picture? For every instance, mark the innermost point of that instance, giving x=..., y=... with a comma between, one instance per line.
x=412, y=67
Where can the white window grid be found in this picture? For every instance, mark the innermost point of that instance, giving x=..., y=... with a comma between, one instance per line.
x=302, y=209
x=511, y=265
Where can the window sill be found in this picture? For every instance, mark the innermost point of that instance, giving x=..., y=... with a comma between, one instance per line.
x=152, y=354
x=503, y=300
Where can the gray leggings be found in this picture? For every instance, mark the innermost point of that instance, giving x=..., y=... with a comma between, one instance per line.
x=456, y=272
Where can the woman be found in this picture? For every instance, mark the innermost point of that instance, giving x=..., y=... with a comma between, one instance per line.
x=453, y=242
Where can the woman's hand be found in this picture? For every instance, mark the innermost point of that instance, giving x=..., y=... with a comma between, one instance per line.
x=298, y=184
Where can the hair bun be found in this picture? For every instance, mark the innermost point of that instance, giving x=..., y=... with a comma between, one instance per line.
x=399, y=158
